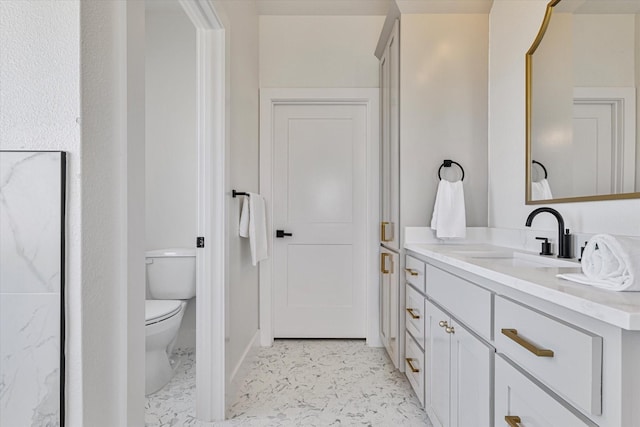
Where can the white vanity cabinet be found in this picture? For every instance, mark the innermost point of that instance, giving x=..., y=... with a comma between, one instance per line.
x=511, y=347
x=389, y=302
x=459, y=375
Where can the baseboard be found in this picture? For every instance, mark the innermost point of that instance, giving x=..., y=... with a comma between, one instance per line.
x=241, y=369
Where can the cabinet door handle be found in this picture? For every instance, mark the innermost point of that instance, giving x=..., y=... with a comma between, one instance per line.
x=512, y=334
x=443, y=324
x=411, y=272
x=450, y=330
x=383, y=231
x=512, y=420
x=410, y=363
x=383, y=263
x=412, y=313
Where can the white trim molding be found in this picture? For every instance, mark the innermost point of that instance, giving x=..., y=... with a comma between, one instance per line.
x=622, y=101
x=369, y=97
x=210, y=260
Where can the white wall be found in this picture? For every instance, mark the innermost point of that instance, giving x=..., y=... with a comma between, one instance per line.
x=443, y=108
x=171, y=145
x=112, y=235
x=39, y=106
x=319, y=51
x=241, y=292
x=513, y=26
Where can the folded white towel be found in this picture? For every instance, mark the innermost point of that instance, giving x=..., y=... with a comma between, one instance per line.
x=253, y=224
x=611, y=263
x=449, y=216
x=541, y=190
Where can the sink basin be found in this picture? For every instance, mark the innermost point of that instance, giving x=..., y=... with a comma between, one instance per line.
x=518, y=259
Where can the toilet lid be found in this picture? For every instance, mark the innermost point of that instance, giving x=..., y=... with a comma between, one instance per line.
x=157, y=310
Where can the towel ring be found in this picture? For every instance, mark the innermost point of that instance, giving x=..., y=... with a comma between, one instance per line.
x=542, y=166
x=447, y=164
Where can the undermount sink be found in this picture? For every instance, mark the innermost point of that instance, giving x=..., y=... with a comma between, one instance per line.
x=519, y=259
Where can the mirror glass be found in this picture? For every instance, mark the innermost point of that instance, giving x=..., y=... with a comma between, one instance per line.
x=582, y=108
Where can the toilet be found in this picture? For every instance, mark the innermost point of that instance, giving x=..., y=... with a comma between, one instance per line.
x=171, y=279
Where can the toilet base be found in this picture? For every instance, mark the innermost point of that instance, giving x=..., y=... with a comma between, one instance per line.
x=159, y=371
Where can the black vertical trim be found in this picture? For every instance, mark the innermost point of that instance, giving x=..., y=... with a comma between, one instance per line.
x=63, y=211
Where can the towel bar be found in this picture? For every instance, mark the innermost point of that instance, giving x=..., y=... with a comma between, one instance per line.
x=235, y=193
x=447, y=164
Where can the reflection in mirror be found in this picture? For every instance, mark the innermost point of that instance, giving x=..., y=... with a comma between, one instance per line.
x=582, y=115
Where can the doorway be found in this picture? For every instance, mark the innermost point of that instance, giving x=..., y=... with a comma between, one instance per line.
x=315, y=142
x=207, y=119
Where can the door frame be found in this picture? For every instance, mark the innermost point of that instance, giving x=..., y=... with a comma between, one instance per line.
x=368, y=97
x=622, y=101
x=210, y=260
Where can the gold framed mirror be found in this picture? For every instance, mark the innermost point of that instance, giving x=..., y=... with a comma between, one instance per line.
x=582, y=112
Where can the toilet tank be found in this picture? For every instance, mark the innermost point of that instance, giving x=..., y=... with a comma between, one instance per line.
x=171, y=273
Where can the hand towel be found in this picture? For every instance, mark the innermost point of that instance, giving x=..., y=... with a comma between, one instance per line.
x=253, y=224
x=449, y=216
x=541, y=190
x=610, y=262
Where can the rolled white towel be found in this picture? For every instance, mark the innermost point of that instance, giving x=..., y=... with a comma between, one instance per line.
x=611, y=263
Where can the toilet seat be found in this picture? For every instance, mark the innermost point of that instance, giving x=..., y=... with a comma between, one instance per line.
x=158, y=310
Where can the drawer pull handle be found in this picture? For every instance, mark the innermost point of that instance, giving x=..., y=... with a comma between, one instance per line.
x=383, y=263
x=412, y=313
x=383, y=231
x=443, y=324
x=512, y=334
x=410, y=363
x=512, y=420
x=411, y=272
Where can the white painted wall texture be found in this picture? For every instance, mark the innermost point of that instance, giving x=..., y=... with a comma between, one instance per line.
x=443, y=104
x=171, y=145
x=513, y=26
x=319, y=51
x=241, y=308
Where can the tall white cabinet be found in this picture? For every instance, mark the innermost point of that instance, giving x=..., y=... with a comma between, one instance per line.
x=433, y=97
x=390, y=197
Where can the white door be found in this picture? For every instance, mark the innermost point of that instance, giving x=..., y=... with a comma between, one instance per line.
x=593, y=149
x=437, y=355
x=319, y=197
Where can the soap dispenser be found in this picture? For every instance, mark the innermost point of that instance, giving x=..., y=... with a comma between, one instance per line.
x=567, y=243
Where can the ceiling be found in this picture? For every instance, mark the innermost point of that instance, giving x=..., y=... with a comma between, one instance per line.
x=346, y=7
x=368, y=7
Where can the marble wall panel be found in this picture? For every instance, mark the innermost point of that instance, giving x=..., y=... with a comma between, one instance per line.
x=31, y=288
x=30, y=221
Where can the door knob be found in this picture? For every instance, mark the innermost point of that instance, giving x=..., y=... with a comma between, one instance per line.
x=280, y=234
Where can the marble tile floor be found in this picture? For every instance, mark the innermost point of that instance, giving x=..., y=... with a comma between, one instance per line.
x=301, y=383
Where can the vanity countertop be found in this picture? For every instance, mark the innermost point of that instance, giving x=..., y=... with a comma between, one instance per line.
x=518, y=270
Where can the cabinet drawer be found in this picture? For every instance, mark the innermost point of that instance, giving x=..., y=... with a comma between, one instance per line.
x=518, y=396
x=414, y=366
x=469, y=303
x=414, y=315
x=415, y=272
x=572, y=367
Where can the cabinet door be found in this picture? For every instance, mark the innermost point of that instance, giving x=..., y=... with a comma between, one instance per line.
x=390, y=146
x=518, y=398
x=437, y=355
x=389, y=297
x=471, y=379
